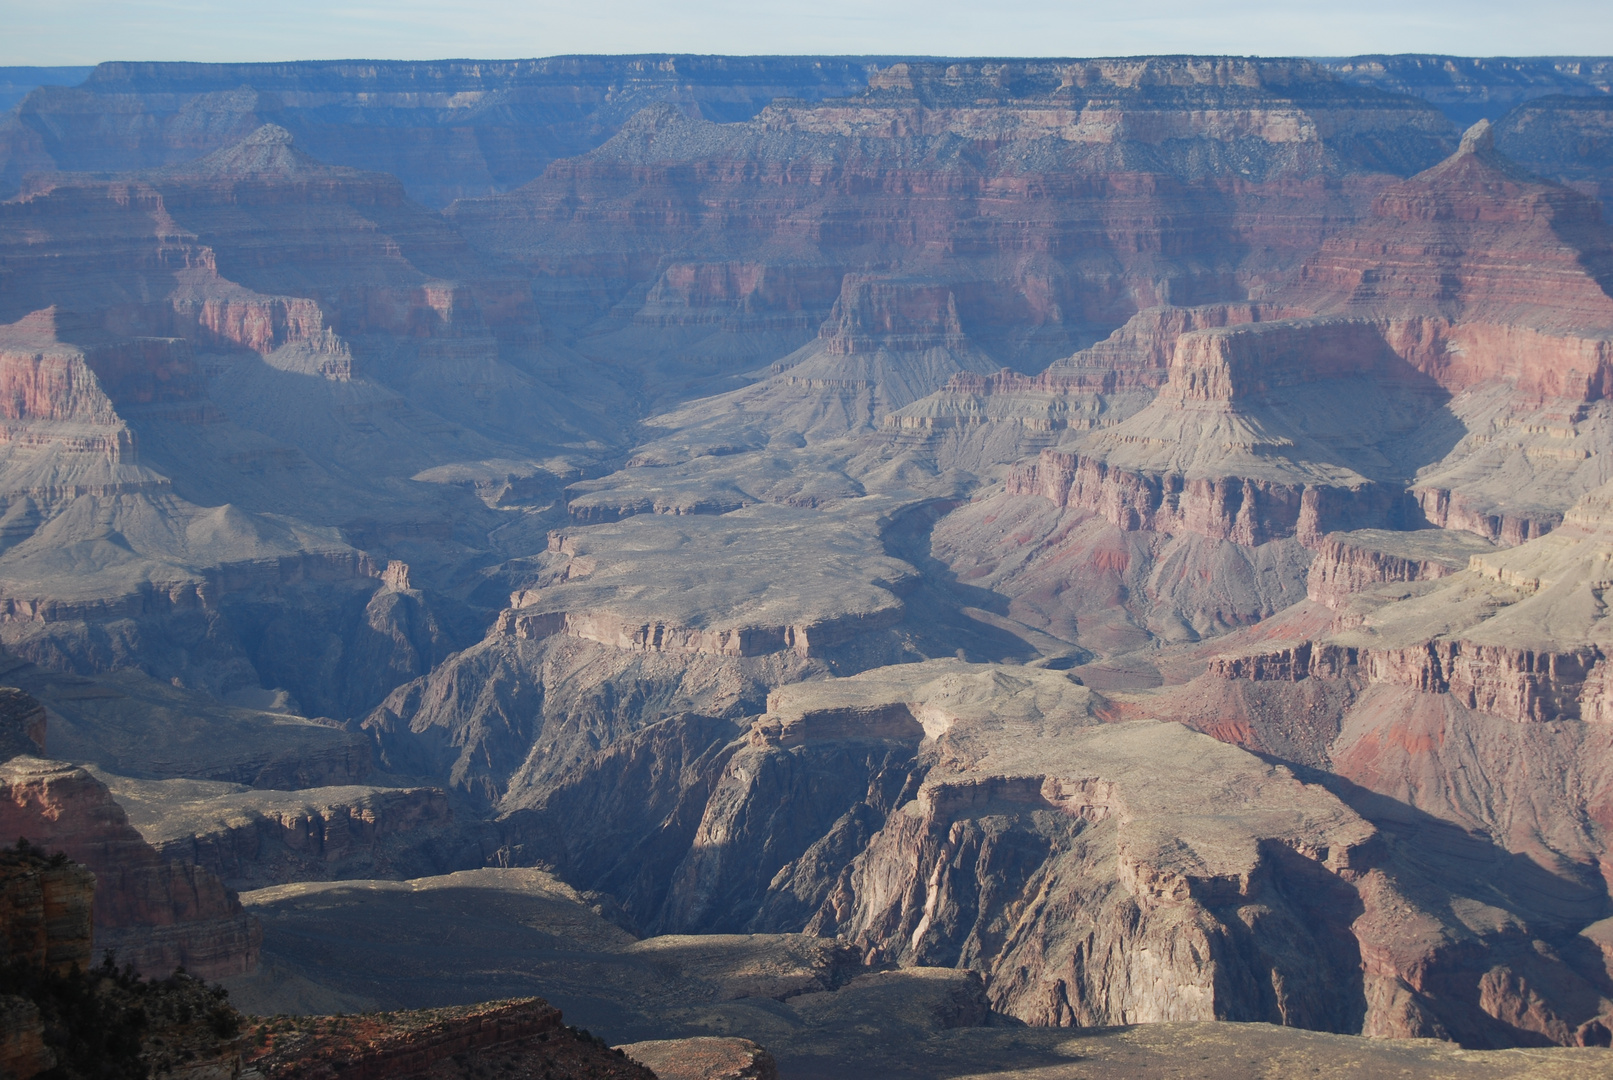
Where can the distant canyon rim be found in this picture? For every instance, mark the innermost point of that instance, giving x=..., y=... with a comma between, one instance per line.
x=821, y=566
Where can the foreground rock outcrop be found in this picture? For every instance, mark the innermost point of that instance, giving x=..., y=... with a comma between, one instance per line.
x=155, y=914
x=516, y=1038
x=46, y=919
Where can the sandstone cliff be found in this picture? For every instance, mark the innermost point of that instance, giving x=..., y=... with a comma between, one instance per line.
x=155, y=914
x=1470, y=275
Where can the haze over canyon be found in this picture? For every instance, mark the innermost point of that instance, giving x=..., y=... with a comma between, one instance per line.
x=813, y=566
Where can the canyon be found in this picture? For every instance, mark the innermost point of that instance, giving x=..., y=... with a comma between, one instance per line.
x=818, y=567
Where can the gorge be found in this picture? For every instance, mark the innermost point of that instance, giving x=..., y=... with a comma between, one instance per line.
x=812, y=566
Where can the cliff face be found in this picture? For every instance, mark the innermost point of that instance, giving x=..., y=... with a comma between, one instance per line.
x=254, y=839
x=951, y=815
x=1469, y=88
x=157, y=915
x=1472, y=278
x=447, y=129
x=1349, y=563
x=46, y=919
x=1070, y=159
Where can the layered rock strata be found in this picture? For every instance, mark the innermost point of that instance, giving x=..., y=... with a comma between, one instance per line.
x=1468, y=278
x=448, y=129
x=648, y=584
x=252, y=839
x=1080, y=202
x=1223, y=450
x=1352, y=562
x=155, y=914
x=46, y=918
x=1515, y=633
x=992, y=823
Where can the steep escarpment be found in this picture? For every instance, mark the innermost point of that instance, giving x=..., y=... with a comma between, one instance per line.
x=985, y=819
x=1352, y=562
x=253, y=839
x=1515, y=632
x=448, y=129
x=1469, y=301
x=156, y=914
x=1256, y=435
x=1091, y=192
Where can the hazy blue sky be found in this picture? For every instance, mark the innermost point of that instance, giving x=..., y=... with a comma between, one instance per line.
x=87, y=31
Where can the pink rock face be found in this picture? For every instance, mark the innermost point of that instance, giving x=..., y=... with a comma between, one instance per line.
x=872, y=313
x=1475, y=239
x=157, y=915
x=1477, y=271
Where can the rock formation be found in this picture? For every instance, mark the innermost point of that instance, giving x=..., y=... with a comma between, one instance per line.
x=154, y=914
x=251, y=839
x=447, y=129
x=943, y=549
x=705, y=1058
x=518, y=1038
x=47, y=916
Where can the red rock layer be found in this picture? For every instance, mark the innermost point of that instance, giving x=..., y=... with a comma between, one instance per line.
x=873, y=313
x=1475, y=238
x=156, y=914
x=1480, y=271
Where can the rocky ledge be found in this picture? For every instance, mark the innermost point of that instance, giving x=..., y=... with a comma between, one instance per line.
x=789, y=579
x=155, y=914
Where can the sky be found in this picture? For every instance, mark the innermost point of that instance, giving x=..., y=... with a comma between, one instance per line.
x=63, y=32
